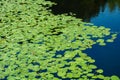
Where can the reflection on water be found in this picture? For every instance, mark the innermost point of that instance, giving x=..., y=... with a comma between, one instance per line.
x=109, y=18
x=83, y=8
x=99, y=12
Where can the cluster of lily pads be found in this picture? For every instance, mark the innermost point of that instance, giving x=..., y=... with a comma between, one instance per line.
x=37, y=45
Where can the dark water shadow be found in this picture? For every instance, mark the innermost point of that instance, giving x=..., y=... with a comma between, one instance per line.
x=83, y=8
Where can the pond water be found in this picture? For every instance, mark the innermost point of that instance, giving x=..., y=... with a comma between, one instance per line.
x=98, y=12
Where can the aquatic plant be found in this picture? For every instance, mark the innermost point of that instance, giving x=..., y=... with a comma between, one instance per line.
x=37, y=45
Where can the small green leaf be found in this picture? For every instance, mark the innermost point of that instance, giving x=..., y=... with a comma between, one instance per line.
x=99, y=71
x=115, y=77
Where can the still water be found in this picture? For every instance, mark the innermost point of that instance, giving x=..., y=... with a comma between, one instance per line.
x=98, y=12
x=108, y=18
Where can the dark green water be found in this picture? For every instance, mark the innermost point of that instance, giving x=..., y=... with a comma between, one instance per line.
x=99, y=12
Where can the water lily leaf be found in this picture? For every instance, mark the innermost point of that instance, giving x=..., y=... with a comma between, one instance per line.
x=106, y=78
x=115, y=77
x=61, y=73
x=100, y=76
x=90, y=74
x=109, y=40
x=69, y=75
x=99, y=71
x=92, y=66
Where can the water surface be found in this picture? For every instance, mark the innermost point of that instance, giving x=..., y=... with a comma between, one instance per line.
x=101, y=13
x=108, y=18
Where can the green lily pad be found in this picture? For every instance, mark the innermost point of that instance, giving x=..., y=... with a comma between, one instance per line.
x=115, y=77
x=99, y=71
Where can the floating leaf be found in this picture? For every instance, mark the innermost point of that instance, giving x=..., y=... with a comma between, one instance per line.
x=99, y=71
x=100, y=76
x=115, y=78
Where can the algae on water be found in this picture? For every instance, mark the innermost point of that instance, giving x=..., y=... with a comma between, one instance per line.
x=37, y=45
